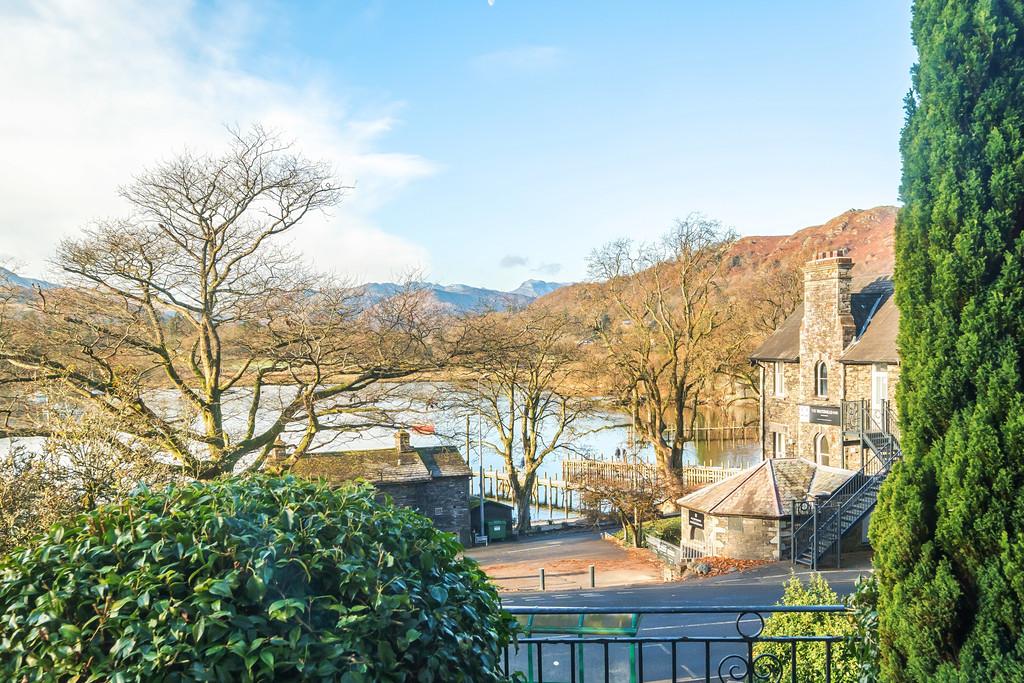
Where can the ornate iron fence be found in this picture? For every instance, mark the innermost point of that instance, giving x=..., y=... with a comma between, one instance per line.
x=698, y=643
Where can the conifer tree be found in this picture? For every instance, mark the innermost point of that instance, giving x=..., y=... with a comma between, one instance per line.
x=949, y=530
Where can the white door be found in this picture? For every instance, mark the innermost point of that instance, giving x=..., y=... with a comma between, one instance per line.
x=879, y=393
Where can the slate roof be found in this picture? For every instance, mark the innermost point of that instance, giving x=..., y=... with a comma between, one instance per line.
x=784, y=343
x=766, y=490
x=870, y=297
x=384, y=465
x=878, y=342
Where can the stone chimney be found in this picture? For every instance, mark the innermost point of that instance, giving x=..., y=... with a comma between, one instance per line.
x=828, y=326
x=402, y=444
x=276, y=459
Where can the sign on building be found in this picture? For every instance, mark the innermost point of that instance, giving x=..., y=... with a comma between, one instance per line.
x=821, y=415
x=696, y=519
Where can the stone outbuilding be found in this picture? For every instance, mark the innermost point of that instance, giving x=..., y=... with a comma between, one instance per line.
x=432, y=480
x=747, y=516
x=837, y=347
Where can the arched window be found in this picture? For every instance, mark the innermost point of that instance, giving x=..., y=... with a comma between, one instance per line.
x=821, y=449
x=821, y=379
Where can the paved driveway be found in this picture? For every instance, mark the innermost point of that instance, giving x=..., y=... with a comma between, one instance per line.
x=566, y=558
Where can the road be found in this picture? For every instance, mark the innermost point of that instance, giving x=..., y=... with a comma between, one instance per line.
x=758, y=587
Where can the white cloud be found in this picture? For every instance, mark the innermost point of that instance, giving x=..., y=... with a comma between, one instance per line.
x=522, y=58
x=95, y=92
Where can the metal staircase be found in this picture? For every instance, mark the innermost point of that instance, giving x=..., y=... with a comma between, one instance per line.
x=819, y=525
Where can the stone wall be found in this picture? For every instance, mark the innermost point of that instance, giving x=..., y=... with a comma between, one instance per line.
x=781, y=411
x=444, y=500
x=825, y=331
x=742, y=538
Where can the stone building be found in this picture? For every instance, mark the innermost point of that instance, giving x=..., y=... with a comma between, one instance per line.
x=838, y=345
x=747, y=516
x=434, y=481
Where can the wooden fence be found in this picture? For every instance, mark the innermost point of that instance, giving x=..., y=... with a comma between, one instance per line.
x=577, y=472
x=564, y=494
x=733, y=433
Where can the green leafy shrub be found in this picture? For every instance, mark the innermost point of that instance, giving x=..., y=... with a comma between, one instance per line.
x=811, y=656
x=249, y=579
x=864, y=643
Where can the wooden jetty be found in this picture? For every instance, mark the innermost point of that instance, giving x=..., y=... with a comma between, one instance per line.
x=554, y=494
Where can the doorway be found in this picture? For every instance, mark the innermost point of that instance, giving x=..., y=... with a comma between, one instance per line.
x=879, y=395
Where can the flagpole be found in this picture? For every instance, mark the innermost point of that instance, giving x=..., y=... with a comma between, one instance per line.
x=480, y=450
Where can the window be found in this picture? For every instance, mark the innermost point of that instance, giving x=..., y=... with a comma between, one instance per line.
x=780, y=378
x=779, y=444
x=821, y=379
x=821, y=449
x=736, y=524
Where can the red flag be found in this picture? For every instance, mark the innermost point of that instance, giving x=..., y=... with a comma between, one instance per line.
x=423, y=429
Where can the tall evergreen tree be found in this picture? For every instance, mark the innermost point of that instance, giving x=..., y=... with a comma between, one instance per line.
x=949, y=530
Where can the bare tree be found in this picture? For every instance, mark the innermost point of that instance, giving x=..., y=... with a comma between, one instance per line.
x=200, y=332
x=763, y=301
x=523, y=381
x=659, y=313
x=632, y=501
x=84, y=462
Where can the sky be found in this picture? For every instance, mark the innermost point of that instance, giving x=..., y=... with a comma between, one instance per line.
x=487, y=144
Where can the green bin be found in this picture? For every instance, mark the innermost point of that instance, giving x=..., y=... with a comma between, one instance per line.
x=497, y=529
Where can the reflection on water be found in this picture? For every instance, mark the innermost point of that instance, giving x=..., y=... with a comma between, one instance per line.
x=601, y=436
x=606, y=435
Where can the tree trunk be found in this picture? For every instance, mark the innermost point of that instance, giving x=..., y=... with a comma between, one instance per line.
x=665, y=456
x=524, y=496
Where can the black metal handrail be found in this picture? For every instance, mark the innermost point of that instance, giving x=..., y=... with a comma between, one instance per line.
x=824, y=525
x=710, y=650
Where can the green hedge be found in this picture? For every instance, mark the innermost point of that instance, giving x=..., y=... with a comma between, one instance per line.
x=949, y=527
x=667, y=529
x=249, y=579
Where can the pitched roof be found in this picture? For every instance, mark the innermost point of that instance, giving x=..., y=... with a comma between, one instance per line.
x=870, y=295
x=878, y=341
x=767, y=489
x=784, y=343
x=384, y=465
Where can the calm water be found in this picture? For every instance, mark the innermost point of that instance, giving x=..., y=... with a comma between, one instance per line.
x=599, y=437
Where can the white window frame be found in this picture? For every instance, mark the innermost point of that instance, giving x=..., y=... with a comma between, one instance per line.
x=818, y=453
x=779, y=379
x=879, y=389
x=820, y=378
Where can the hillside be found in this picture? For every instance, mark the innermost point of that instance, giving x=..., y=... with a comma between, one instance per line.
x=867, y=234
x=7, y=277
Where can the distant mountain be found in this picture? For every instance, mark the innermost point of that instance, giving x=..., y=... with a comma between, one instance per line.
x=537, y=288
x=7, y=276
x=465, y=297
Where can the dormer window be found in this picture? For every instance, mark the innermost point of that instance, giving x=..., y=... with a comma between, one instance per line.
x=780, y=378
x=821, y=379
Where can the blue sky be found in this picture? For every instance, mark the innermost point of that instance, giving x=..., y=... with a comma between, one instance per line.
x=524, y=133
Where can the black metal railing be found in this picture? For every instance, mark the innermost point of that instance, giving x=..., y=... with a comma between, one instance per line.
x=819, y=525
x=678, y=644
